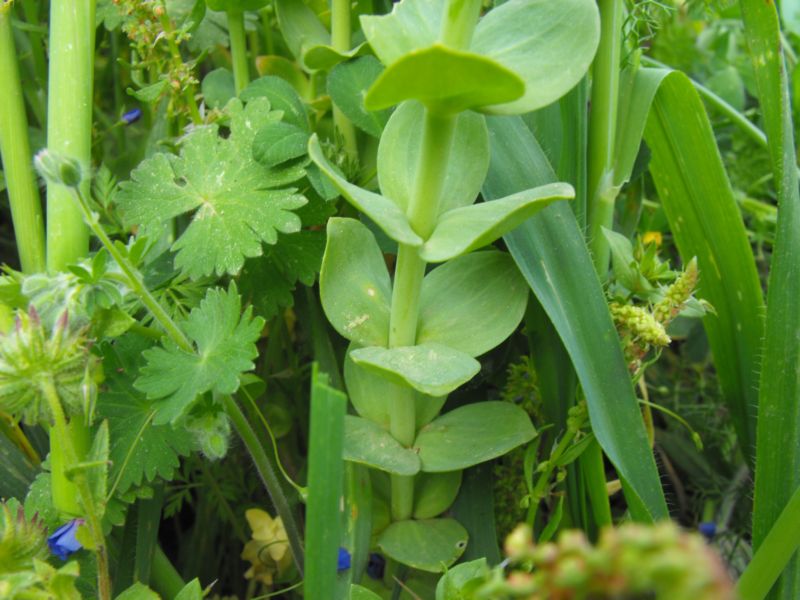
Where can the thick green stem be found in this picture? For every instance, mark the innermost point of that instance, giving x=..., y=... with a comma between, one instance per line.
x=340, y=40
x=241, y=70
x=62, y=433
x=69, y=123
x=602, y=129
x=422, y=213
x=459, y=23
x=268, y=476
x=69, y=132
x=23, y=194
x=164, y=577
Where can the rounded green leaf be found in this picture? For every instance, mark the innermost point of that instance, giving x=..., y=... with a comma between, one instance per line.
x=550, y=45
x=445, y=80
x=367, y=443
x=324, y=57
x=354, y=284
x=301, y=28
x=281, y=95
x=434, y=493
x=218, y=88
x=432, y=369
x=429, y=545
x=236, y=5
x=279, y=142
x=462, y=230
x=399, y=149
x=472, y=434
x=348, y=83
x=472, y=303
x=411, y=25
x=386, y=214
x=372, y=396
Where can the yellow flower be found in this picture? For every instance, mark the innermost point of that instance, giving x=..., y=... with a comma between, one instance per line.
x=652, y=237
x=268, y=550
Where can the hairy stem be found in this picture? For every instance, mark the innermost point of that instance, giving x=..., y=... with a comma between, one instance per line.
x=23, y=193
x=81, y=482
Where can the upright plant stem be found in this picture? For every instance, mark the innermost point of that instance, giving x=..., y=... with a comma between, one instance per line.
x=63, y=433
x=241, y=69
x=602, y=128
x=69, y=123
x=340, y=40
x=23, y=194
x=69, y=131
x=437, y=139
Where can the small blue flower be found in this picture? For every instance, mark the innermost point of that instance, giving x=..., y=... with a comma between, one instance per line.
x=343, y=563
x=708, y=529
x=132, y=116
x=376, y=565
x=63, y=541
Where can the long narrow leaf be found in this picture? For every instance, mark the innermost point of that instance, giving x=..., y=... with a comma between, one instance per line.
x=778, y=442
x=325, y=476
x=550, y=251
x=706, y=222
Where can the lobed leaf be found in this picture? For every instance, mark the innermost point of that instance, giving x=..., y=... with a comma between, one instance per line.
x=236, y=207
x=224, y=340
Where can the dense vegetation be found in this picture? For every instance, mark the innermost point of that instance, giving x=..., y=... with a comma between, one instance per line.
x=449, y=299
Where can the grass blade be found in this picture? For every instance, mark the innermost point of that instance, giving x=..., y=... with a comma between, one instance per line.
x=550, y=251
x=705, y=221
x=778, y=441
x=325, y=476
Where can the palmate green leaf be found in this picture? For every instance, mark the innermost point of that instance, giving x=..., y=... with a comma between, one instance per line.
x=778, y=439
x=468, y=228
x=551, y=253
x=224, y=340
x=472, y=303
x=398, y=157
x=140, y=451
x=430, y=368
x=236, y=207
x=472, y=434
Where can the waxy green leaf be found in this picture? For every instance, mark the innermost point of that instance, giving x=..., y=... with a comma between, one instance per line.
x=236, y=5
x=354, y=284
x=224, y=340
x=431, y=368
x=372, y=396
x=367, y=443
x=549, y=45
x=382, y=211
x=301, y=28
x=323, y=57
x=399, y=150
x=281, y=96
x=472, y=434
x=429, y=545
x=445, y=80
x=235, y=209
x=468, y=228
x=348, y=83
x=472, y=303
x=434, y=493
x=410, y=26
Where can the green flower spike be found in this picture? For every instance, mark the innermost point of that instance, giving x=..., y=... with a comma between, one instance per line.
x=32, y=359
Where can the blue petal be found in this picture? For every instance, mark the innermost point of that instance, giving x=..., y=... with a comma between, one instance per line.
x=132, y=116
x=63, y=542
x=343, y=562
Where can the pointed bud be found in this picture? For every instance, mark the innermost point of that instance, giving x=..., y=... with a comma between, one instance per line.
x=56, y=168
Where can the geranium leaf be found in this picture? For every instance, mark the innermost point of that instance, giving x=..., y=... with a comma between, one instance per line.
x=224, y=341
x=140, y=451
x=234, y=199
